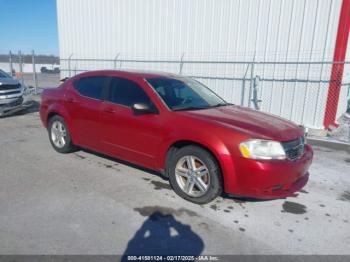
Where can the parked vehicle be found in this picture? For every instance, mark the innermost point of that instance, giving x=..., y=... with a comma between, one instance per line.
x=177, y=126
x=13, y=96
x=45, y=70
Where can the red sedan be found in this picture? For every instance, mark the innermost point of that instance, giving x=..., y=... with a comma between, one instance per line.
x=179, y=127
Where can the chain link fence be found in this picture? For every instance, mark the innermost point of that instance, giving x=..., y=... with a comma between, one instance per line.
x=32, y=70
x=310, y=93
x=298, y=91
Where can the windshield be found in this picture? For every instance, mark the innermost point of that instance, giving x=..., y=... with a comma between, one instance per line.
x=3, y=74
x=185, y=93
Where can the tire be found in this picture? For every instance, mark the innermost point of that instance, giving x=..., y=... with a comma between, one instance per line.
x=187, y=185
x=66, y=145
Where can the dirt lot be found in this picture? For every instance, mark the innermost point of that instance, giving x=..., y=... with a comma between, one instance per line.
x=43, y=80
x=83, y=203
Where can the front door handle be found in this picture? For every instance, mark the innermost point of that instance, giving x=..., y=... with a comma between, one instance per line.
x=109, y=110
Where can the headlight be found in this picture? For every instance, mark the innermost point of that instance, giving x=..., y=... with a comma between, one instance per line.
x=262, y=149
x=26, y=90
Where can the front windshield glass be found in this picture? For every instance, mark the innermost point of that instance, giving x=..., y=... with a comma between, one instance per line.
x=3, y=74
x=185, y=93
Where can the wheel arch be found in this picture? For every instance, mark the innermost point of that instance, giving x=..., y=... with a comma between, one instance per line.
x=176, y=145
x=50, y=115
x=220, y=153
x=62, y=112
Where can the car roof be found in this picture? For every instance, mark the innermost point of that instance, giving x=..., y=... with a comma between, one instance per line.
x=130, y=73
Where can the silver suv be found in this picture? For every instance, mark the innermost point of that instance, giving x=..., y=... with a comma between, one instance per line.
x=13, y=96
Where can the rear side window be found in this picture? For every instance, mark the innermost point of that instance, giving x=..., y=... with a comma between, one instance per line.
x=126, y=92
x=92, y=86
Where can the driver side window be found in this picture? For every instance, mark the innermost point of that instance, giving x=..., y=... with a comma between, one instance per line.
x=126, y=92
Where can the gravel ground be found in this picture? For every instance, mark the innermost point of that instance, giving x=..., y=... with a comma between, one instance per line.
x=43, y=80
x=342, y=133
x=84, y=203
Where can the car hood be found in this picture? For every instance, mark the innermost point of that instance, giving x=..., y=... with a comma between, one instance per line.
x=8, y=81
x=255, y=124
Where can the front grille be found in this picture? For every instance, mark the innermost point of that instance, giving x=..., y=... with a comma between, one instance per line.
x=16, y=102
x=9, y=87
x=295, y=148
x=11, y=93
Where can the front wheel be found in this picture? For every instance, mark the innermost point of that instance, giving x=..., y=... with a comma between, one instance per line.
x=59, y=135
x=194, y=174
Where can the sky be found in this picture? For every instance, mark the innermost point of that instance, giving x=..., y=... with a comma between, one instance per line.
x=28, y=25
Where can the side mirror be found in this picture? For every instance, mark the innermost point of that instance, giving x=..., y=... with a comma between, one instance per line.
x=142, y=108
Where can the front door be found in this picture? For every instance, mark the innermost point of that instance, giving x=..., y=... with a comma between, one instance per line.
x=128, y=136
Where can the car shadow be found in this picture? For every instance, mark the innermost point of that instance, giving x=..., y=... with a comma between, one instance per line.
x=34, y=107
x=123, y=162
x=162, y=234
x=242, y=199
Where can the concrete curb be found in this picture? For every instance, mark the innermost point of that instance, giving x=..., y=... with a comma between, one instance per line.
x=329, y=144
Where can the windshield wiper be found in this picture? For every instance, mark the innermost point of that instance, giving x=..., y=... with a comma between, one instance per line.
x=190, y=108
x=201, y=107
x=222, y=104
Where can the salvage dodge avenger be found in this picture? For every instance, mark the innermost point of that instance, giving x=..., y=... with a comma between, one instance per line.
x=177, y=126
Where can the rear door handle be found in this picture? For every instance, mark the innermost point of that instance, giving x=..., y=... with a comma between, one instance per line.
x=70, y=100
x=109, y=110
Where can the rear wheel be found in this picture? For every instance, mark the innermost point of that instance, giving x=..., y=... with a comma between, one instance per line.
x=59, y=135
x=194, y=174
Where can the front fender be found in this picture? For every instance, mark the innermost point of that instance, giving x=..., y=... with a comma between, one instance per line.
x=208, y=141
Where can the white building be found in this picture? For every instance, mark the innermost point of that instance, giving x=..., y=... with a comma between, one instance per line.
x=222, y=30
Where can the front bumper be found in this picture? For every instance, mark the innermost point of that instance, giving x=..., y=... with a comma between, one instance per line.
x=271, y=179
x=17, y=105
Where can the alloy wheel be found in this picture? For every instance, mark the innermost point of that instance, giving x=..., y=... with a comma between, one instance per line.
x=58, y=134
x=192, y=176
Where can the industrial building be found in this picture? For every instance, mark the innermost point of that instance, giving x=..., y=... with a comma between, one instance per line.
x=274, y=55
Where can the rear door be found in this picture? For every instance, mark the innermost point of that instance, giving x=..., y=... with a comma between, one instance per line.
x=84, y=103
x=134, y=138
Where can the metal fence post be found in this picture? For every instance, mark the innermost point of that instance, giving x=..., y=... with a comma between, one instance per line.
x=243, y=92
x=69, y=72
x=251, y=83
x=181, y=63
x=349, y=130
x=255, y=99
x=20, y=61
x=243, y=85
x=35, y=79
x=115, y=60
x=10, y=63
